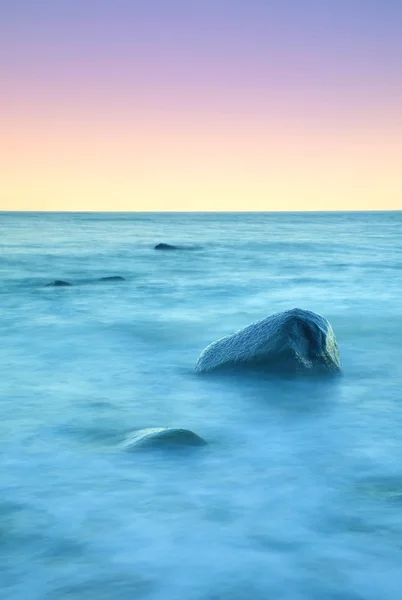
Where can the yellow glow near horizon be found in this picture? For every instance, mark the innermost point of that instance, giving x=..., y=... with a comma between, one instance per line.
x=200, y=106
x=210, y=166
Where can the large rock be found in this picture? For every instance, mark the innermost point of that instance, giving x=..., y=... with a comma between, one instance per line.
x=295, y=341
x=162, y=437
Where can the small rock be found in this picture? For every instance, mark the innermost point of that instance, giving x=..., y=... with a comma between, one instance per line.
x=165, y=247
x=162, y=437
x=59, y=283
x=112, y=278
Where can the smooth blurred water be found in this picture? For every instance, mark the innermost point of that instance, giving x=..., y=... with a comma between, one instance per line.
x=298, y=495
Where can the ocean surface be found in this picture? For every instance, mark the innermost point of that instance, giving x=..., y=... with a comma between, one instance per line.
x=298, y=494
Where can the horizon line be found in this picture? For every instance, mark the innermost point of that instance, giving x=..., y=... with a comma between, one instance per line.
x=212, y=212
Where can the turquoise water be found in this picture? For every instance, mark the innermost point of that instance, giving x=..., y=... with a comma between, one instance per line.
x=298, y=495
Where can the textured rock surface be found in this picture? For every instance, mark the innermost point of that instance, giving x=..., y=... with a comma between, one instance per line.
x=295, y=341
x=162, y=437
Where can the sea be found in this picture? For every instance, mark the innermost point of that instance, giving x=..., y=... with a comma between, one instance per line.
x=298, y=494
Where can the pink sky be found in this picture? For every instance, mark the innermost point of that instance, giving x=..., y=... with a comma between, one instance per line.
x=221, y=105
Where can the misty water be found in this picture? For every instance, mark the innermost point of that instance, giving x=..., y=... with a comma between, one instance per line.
x=298, y=494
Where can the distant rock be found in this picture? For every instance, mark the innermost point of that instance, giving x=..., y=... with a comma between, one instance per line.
x=112, y=278
x=295, y=341
x=162, y=437
x=59, y=283
x=165, y=247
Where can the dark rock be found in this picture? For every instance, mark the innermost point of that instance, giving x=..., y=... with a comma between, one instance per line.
x=162, y=437
x=59, y=283
x=165, y=247
x=112, y=278
x=295, y=341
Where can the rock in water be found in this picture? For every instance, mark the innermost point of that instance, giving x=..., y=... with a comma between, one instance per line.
x=112, y=278
x=295, y=341
x=163, y=437
x=58, y=283
x=165, y=247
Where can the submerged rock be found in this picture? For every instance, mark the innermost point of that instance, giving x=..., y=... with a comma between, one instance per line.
x=112, y=278
x=59, y=283
x=165, y=247
x=295, y=341
x=162, y=437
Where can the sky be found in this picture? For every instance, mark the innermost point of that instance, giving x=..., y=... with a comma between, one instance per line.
x=200, y=105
